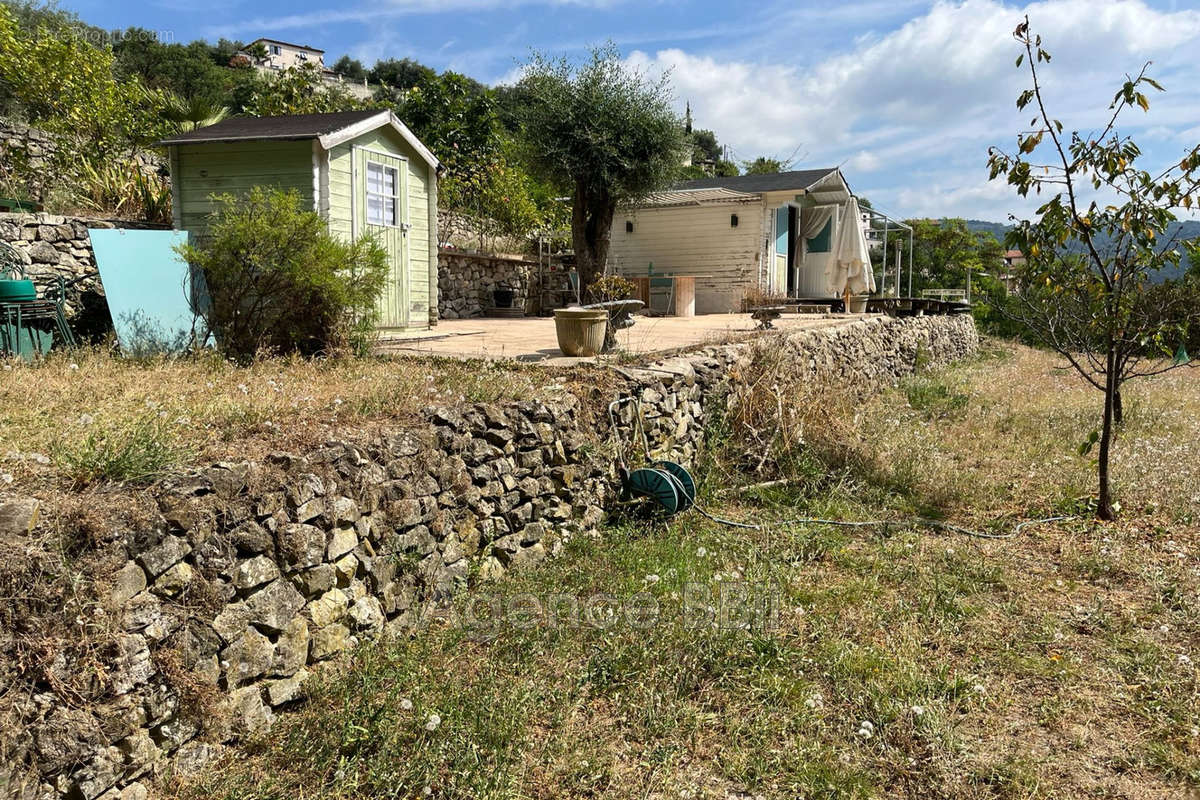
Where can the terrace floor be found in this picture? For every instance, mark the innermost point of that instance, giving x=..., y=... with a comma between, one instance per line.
x=533, y=338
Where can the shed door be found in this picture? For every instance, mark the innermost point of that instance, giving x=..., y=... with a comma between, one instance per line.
x=382, y=196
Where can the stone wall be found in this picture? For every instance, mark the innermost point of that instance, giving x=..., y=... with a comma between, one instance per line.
x=54, y=246
x=26, y=156
x=466, y=281
x=244, y=578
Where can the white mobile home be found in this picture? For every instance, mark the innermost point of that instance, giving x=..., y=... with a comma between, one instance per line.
x=798, y=234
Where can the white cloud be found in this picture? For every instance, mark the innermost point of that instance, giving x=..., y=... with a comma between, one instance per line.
x=930, y=96
x=864, y=161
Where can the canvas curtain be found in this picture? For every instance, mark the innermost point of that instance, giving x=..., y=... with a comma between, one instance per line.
x=812, y=220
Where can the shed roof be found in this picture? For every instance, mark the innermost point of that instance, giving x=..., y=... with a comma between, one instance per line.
x=797, y=180
x=291, y=126
x=330, y=129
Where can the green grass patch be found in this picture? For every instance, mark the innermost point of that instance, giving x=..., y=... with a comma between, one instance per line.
x=134, y=450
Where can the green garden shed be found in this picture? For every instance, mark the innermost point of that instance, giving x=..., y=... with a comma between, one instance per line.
x=363, y=171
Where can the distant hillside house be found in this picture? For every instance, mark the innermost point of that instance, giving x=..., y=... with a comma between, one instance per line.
x=364, y=172
x=285, y=55
x=1013, y=261
x=282, y=55
x=788, y=233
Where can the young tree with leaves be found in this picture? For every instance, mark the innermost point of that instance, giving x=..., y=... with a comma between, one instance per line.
x=1096, y=246
x=299, y=90
x=945, y=250
x=604, y=133
x=59, y=81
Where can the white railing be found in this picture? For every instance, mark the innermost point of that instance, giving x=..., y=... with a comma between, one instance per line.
x=947, y=295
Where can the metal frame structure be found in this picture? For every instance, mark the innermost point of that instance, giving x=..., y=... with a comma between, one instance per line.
x=889, y=224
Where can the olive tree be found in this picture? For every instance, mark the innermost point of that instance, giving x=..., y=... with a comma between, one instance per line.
x=605, y=133
x=1091, y=289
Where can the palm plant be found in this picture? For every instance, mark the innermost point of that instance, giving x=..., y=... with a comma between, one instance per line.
x=190, y=113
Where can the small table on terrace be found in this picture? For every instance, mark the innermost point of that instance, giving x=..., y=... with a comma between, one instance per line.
x=683, y=291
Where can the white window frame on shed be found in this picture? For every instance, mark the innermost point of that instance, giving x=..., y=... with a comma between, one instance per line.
x=380, y=202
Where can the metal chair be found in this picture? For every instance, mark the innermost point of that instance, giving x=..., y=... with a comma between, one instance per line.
x=28, y=325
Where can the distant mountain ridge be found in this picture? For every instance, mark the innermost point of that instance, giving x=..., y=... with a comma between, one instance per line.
x=1180, y=230
x=997, y=229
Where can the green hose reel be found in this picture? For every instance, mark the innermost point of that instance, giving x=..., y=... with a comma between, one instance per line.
x=666, y=483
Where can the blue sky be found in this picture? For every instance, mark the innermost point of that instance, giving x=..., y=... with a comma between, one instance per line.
x=905, y=96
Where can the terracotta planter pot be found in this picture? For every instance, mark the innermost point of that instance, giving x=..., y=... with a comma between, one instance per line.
x=580, y=330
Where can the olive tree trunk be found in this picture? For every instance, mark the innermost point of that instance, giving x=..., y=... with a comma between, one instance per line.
x=591, y=228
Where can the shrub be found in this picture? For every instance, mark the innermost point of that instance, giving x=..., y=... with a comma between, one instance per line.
x=62, y=83
x=278, y=280
x=611, y=287
x=123, y=189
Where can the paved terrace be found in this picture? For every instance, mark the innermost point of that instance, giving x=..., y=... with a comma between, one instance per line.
x=533, y=338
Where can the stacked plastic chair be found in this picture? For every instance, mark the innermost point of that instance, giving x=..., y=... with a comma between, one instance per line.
x=29, y=326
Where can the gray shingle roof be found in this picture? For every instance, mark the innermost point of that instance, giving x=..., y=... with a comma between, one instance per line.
x=796, y=180
x=293, y=126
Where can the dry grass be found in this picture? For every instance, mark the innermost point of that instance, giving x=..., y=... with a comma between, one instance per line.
x=89, y=415
x=1058, y=664
x=1016, y=414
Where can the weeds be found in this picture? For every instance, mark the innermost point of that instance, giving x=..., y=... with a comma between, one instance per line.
x=933, y=396
x=123, y=189
x=136, y=450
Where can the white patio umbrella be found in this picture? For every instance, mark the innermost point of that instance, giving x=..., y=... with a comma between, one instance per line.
x=852, y=259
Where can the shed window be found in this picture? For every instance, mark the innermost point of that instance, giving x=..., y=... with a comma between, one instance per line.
x=382, y=195
x=823, y=241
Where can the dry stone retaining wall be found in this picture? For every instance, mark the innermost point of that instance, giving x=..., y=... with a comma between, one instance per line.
x=466, y=282
x=248, y=576
x=26, y=159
